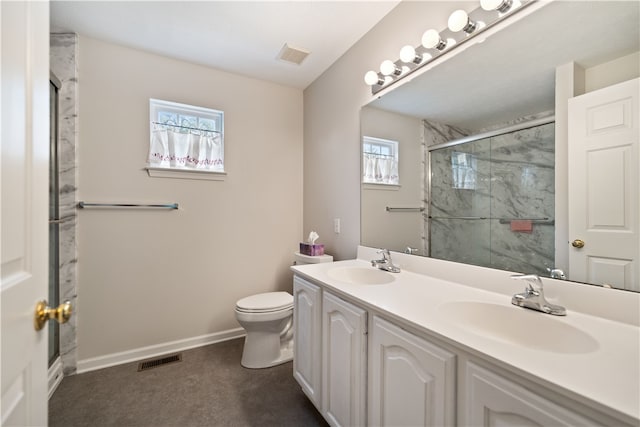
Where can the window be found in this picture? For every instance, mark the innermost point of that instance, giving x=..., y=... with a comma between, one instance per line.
x=379, y=161
x=185, y=137
x=464, y=167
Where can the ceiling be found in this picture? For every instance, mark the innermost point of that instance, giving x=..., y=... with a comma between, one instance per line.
x=241, y=37
x=512, y=73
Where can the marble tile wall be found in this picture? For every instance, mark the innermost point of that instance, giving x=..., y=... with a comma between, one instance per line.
x=433, y=133
x=63, y=63
x=514, y=179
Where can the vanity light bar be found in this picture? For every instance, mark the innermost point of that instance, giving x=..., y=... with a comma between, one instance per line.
x=462, y=26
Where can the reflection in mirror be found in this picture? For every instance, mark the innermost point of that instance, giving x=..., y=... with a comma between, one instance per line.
x=498, y=201
x=492, y=201
x=395, y=231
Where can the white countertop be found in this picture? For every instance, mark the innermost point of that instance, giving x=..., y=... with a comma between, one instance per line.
x=606, y=377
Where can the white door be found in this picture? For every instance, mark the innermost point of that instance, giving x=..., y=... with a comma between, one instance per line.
x=344, y=362
x=24, y=229
x=604, y=158
x=493, y=400
x=307, y=338
x=411, y=381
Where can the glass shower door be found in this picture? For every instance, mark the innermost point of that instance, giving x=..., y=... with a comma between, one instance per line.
x=54, y=223
x=460, y=203
x=492, y=201
x=523, y=200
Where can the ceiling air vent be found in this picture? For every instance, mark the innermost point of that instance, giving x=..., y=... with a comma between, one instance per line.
x=292, y=54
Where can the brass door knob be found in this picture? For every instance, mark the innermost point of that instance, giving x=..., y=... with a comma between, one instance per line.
x=43, y=313
x=578, y=243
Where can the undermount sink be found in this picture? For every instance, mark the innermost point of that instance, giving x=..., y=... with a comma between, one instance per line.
x=360, y=275
x=518, y=326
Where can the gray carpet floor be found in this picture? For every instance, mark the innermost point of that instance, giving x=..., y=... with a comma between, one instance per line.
x=208, y=387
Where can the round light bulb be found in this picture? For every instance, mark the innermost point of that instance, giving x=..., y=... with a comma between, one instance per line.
x=388, y=67
x=371, y=78
x=458, y=20
x=499, y=5
x=408, y=54
x=431, y=39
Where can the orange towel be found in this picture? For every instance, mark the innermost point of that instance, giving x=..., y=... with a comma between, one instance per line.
x=522, y=226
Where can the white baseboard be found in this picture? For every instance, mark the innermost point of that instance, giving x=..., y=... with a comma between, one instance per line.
x=141, y=353
x=55, y=376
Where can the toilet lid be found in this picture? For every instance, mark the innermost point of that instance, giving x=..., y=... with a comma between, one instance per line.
x=266, y=302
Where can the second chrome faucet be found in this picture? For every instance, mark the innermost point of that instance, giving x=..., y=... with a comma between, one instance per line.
x=533, y=296
x=385, y=262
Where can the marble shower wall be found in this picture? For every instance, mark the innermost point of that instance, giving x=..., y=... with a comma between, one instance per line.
x=511, y=178
x=434, y=133
x=63, y=63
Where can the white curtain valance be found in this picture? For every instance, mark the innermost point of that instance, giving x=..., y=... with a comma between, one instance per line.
x=379, y=170
x=170, y=149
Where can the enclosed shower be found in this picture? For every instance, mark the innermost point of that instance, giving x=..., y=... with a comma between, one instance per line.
x=492, y=199
x=54, y=217
x=63, y=200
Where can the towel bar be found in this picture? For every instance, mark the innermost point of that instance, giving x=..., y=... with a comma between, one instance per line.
x=390, y=209
x=84, y=205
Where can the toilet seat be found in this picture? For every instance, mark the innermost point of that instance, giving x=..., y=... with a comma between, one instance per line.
x=269, y=302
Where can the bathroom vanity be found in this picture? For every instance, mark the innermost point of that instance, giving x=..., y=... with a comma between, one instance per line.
x=417, y=348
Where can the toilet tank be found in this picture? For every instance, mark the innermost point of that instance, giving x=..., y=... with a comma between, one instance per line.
x=300, y=259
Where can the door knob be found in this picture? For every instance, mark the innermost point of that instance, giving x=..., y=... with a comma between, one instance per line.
x=43, y=313
x=578, y=243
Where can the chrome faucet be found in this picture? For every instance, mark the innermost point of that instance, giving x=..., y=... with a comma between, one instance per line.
x=556, y=273
x=385, y=263
x=533, y=296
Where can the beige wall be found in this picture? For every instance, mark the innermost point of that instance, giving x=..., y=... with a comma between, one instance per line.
x=151, y=277
x=609, y=73
x=394, y=230
x=331, y=121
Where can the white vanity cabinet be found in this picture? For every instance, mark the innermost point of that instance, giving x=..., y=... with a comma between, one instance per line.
x=330, y=359
x=372, y=368
x=494, y=400
x=411, y=381
x=307, y=341
x=344, y=362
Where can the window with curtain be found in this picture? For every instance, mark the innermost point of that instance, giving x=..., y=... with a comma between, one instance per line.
x=464, y=168
x=379, y=161
x=185, y=137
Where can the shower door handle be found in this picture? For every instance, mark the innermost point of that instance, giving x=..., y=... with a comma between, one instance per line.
x=58, y=221
x=43, y=313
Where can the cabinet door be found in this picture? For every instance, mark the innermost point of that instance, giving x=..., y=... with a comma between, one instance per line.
x=343, y=362
x=492, y=400
x=307, y=338
x=412, y=382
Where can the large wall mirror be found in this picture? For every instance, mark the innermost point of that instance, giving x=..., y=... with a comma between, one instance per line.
x=468, y=161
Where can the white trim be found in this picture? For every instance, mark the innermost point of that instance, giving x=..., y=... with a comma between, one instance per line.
x=194, y=109
x=186, y=174
x=55, y=376
x=380, y=186
x=141, y=353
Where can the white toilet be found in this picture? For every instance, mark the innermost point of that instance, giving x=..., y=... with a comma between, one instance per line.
x=268, y=320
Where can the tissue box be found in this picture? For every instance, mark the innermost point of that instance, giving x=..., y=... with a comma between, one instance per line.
x=311, y=250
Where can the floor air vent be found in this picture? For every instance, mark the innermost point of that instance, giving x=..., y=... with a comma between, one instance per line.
x=160, y=361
